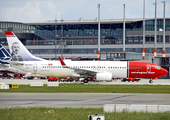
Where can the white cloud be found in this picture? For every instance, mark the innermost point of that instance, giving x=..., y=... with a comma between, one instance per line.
x=43, y=10
x=31, y=11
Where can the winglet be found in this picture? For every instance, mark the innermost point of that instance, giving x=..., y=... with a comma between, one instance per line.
x=62, y=62
x=63, y=58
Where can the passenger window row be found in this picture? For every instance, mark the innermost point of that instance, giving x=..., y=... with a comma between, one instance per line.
x=101, y=67
x=135, y=68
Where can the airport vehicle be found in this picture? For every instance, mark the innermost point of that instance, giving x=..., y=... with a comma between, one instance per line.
x=52, y=79
x=131, y=79
x=17, y=76
x=100, y=70
x=6, y=76
x=71, y=79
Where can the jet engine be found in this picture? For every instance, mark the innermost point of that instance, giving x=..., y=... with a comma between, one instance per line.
x=104, y=76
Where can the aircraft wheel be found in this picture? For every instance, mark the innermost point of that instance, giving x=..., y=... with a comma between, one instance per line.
x=150, y=81
x=85, y=80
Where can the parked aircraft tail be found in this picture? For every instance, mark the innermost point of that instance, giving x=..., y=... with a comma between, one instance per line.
x=17, y=50
x=4, y=55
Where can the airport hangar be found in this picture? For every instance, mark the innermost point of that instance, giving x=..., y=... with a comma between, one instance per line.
x=79, y=38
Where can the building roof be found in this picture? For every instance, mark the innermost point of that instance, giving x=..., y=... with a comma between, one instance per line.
x=82, y=21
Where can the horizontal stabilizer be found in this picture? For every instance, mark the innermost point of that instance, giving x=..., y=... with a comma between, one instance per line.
x=13, y=62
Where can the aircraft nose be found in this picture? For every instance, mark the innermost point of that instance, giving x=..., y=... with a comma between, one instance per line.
x=164, y=72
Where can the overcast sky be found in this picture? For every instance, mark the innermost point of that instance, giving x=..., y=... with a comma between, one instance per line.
x=45, y=10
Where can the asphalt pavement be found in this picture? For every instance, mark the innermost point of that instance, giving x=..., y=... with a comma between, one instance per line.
x=75, y=100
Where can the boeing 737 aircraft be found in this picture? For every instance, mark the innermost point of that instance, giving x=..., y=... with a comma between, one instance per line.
x=101, y=70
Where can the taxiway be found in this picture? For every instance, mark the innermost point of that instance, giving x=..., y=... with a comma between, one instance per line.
x=74, y=100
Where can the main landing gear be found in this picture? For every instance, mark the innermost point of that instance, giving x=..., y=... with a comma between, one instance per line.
x=150, y=81
x=86, y=80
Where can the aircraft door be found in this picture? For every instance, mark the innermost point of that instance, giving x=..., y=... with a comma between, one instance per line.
x=94, y=67
x=148, y=68
x=35, y=67
x=97, y=67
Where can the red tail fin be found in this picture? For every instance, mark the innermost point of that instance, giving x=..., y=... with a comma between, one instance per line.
x=9, y=33
x=62, y=62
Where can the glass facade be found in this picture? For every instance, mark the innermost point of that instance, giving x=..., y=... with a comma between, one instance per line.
x=5, y=25
x=114, y=30
x=150, y=24
x=81, y=33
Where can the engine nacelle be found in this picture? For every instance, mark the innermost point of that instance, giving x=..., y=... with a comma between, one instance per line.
x=104, y=76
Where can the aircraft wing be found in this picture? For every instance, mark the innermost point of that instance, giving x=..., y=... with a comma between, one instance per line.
x=84, y=72
x=77, y=70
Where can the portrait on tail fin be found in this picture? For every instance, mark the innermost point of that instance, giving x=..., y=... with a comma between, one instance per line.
x=15, y=52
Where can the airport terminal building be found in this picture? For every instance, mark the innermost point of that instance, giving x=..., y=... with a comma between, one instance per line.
x=79, y=38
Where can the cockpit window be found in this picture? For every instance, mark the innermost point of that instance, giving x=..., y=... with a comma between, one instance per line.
x=158, y=67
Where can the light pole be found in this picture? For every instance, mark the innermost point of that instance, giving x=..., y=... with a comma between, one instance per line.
x=163, y=51
x=155, y=42
x=61, y=42
x=55, y=35
x=124, y=28
x=98, y=53
x=143, y=55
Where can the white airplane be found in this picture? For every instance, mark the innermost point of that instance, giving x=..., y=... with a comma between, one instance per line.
x=101, y=70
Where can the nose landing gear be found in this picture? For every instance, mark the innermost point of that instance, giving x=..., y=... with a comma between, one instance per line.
x=150, y=81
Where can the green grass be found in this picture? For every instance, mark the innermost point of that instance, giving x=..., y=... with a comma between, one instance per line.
x=82, y=113
x=89, y=88
x=75, y=114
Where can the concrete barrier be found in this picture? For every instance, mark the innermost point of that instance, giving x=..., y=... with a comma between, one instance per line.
x=109, y=108
x=2, y=83
x=53, y=84
x=36, y=84
x=164, y=108
x=152, y=108
x=135, y=108
x=4, y=86
x=121, y=107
